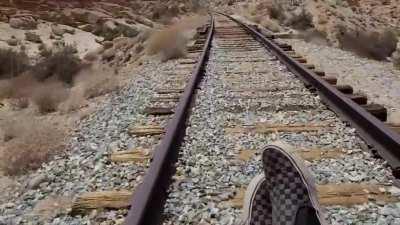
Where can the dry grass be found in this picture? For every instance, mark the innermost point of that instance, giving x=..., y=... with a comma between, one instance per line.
x=29, y=144
x=48, y=96
x=96, y=82
x=18, y=87
x=90, y=83
x=271, y=25
x=12, y=63
x=171, y=42
x=374, y=45
x=63, y=64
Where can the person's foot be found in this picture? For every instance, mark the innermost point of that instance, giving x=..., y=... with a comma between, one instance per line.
x=284, y=195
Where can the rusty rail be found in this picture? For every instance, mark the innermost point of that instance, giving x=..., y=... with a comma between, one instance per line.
x=149, y=198
x=381, y=138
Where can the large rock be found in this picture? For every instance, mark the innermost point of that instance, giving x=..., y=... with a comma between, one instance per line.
x=88, y=16
x=115, y=28
x=109, y=54
x=57, y=30
x=33, y=37
x=12, y=41
x=25, y=23
x=137, y=18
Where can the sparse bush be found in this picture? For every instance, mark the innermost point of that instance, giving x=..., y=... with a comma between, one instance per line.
x=47, y=97
x=90, y=83
x=62, y=64
x=32, y=144
x=169, y=43
x=314, y=36
x=76, y=100
x=271, y=25
x=5, y=89
x=18, y=87
x=19, y=103
x=374, y=45
x=96, y=82
x=12, y=63
x=44, y=51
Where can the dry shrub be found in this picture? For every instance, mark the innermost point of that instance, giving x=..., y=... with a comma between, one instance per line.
x=374, y=45
x=18, y=87
x=12, y=63
x=95, y=82
x=271, y=25
x=19, y=103
x=171, y=42
x=90, y=83
x=314, y=36
x=63, y=64
x=5, y=89
x=75, y=100
x=32, y=144
x=48, y=96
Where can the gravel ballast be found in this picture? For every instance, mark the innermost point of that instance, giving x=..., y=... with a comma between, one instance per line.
x=85, y=166
x=210, y=172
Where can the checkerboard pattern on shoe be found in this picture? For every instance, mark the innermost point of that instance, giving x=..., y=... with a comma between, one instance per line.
x=261, y=207
x=287, y=190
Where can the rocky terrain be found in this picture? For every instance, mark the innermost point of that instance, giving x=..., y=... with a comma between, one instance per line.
x=355, y=40
x=49, y=156
x=68, y=67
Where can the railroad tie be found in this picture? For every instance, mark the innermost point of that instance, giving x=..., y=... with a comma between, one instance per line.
x=394, y=127
x=311, y=154
x=264, y=128
x=141, y=131
x=358, y=98
x=169, y=90
x=379, y=111
x=101, y=200
x=159, y=111
x=343, y=194
x=345, y=89
x=349, y=194
x=133, y=156
x=165, y=99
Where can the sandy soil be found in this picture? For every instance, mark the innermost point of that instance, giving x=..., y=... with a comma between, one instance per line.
x=84, y=41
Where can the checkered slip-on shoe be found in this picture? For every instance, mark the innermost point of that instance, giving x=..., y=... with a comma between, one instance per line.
x=284, y=195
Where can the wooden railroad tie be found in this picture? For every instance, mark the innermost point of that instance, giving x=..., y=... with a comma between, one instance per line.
x=358, y=98
x=145, y=130
x=134, y=156
x=272, y=128
x=159, y=111
x=101, y=200
x=169, y=90
x=377, y=110
x=165, y=99
x=187, y=62
x=306, y=154
x=349, y=194
x=395, y=127
x=345, y=194
x=345, y=89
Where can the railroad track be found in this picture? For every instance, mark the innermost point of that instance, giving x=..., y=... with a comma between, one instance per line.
x=244, y=92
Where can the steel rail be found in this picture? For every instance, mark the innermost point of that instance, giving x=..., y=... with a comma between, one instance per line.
x=149, y=198
x=378, y=136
